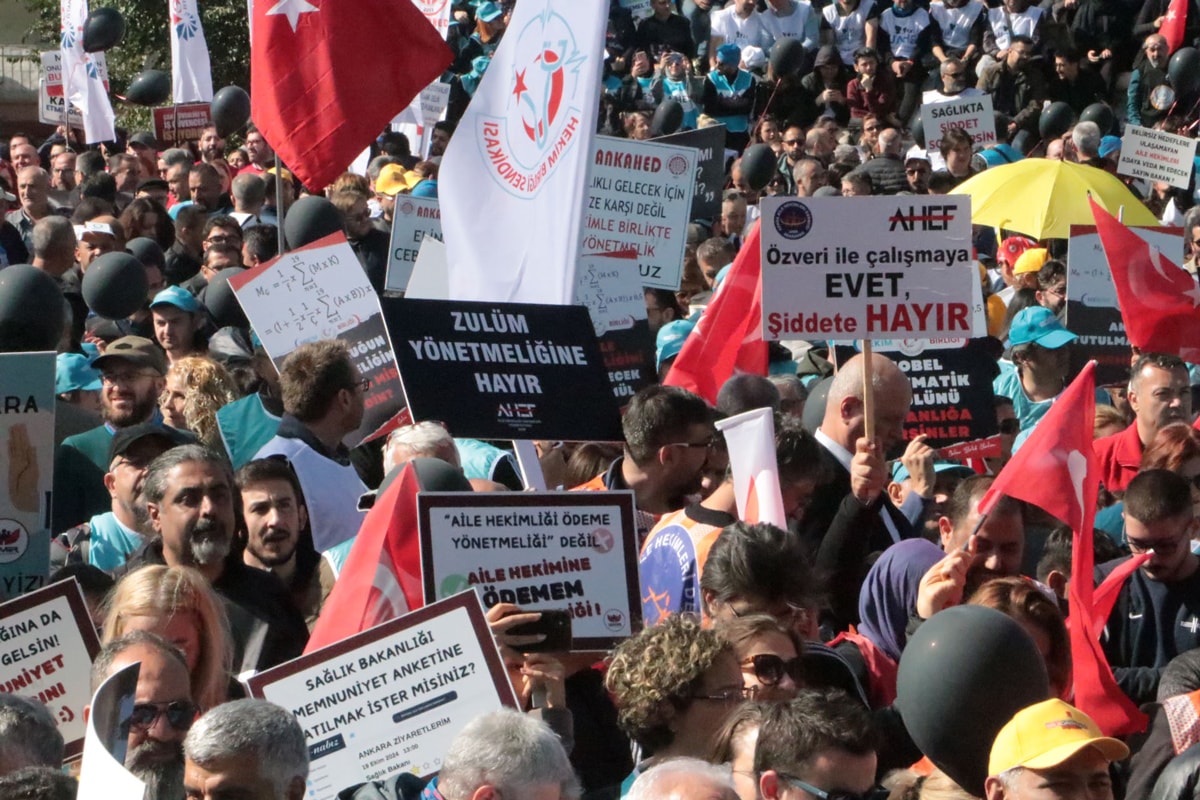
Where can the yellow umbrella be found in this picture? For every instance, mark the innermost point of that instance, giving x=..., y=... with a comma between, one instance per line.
x=1043, y=198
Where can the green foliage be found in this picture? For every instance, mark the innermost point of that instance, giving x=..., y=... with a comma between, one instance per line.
x=147, y=44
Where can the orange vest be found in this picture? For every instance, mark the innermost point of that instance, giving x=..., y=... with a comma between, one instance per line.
x=671, y=563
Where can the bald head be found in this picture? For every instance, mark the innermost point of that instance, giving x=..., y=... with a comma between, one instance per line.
x=684, y=779
x=844, y=420
x=889, y=142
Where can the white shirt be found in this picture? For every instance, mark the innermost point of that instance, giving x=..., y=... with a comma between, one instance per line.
x=734, y=30
x=844, y=457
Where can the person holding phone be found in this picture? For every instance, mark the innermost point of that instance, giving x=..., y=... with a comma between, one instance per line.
x=538, y=678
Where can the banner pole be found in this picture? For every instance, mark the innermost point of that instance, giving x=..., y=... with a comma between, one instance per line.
x=868, y=391
x=531, y=468
x=279, y=209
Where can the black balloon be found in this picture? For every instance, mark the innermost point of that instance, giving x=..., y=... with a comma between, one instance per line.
x=147, y=251
x=1101, y=114
x=1023, y=142
x=230, y=109
x=221, y=302
x=150, y=88
x=667, y=118
x=1184, y=70
x=308, y=219
x=103, y=28
x=758, y=165
x=32, y=310
x=787, y=57
x=917, y=129
x=1056, y=120
x=962, y=677
x=115, y=285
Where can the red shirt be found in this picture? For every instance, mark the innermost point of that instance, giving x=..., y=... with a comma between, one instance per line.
x=1120, y=457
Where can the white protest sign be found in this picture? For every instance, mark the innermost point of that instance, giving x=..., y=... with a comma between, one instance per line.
x=572, y=551
x=52, y=70
x=437, y=12
x=430, y=276
x=640, y=9
x=390, y=699
x=611, y=289
x=50, y=107
x=49, y=642
x=639, y=199
x=1157, y=156
x=413, y=219
x=417, y=120
x=26, y=440
x=867, y=267
x=102, y=775
x=317, y=292
x=973, y=114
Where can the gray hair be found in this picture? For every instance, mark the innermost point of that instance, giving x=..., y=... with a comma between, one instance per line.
x=249, y=189
x=509, y=750
x=949, y=63
x=29, y=736
x=102, y=666
x=53, y=235
x=175, y=156
x=419, y=440
x=662, y=782
x=1191, y=219
x=270, y=733
x=1009, y=777
x=154, y=487
x=1086, y=137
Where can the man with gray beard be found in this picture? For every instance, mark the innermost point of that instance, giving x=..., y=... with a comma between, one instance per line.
x=190, y=496
x=162, y=709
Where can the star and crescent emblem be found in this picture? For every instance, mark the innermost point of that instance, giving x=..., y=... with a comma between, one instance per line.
x=292, y=9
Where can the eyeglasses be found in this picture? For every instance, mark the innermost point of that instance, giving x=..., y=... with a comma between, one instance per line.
x=363, y=384
x=836, y=794
x=1161, y=546
x=221, y=238
x=771, y=669
x=1057, y=291
x=916, y=171
x=180, y=714
x=706, y=444
x=730, y=695
x=1010, y=427
x=125, y=377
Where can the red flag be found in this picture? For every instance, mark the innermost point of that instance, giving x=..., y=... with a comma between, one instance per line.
x=1056, y=470
x=1174, y=23
x=381, y=578
x=325, y=80
x=1160, y=301
x=728, y=338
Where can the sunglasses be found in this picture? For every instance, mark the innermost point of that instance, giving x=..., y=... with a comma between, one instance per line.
x=771, y=669
x=180, y=714
x=836, y=794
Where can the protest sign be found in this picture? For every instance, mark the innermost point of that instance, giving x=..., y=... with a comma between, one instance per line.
x=437, y=12
x=414, y=218
x=867, y=267
x=973, y=114
x=430, y=279
x=573, y=551
x=503, y=370
x=639, y=198
x=612, y=291
x=709, y=144
x=390, y=699
x=1157, y=156
x=49, y=642
x=102, y=775
x=951, y=383
x=417, y=120
x=26, y=438
x=50, y=88
x=181, y=123
x=320, y=291
x=1093, y=313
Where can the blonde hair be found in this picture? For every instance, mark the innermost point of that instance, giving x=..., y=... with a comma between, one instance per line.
x=161, y=592
x=210, y=386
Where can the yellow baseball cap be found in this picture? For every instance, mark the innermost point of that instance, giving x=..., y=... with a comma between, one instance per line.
x=1031, y=260
x=393, y=179
x=1045, y=735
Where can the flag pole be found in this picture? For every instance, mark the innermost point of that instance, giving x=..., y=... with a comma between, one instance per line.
x=279, y=209
x=868, y=391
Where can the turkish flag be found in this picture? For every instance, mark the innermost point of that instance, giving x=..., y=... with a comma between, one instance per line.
x=1174, y=23
x=1160, y=301
x=728, y=338
x=1056, y=470
x=326, y=77
x=381, y=579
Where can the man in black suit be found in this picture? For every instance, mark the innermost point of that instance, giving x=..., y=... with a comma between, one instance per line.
x=851, y=519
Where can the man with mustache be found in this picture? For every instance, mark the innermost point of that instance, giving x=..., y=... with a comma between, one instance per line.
x=190, y=496
x=162, y=711
x=131, y=374
x=1159, y=394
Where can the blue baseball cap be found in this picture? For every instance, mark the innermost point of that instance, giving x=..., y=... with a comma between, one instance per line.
x=729, y=54
x=670, y=339
x=176, y=296
x=426, y=188
x=1037, y=324
x=1109, y=145
x=489, y=11
x=74, y=371
x=900, y=472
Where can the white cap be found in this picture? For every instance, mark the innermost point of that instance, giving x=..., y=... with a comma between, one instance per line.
x=753, y=57
x=916, y=152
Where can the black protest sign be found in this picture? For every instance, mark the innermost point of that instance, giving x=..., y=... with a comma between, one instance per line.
x=503, y=370
x=1102, y=339
x=710, y=167
x=629, y=358
x=952, y=389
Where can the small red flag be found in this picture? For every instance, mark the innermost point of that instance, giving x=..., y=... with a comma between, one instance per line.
x=1173, y=24
x=1160, y=301
x=1056, y=470
x=326, y=78
x=381, y=579
x=728, y=338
